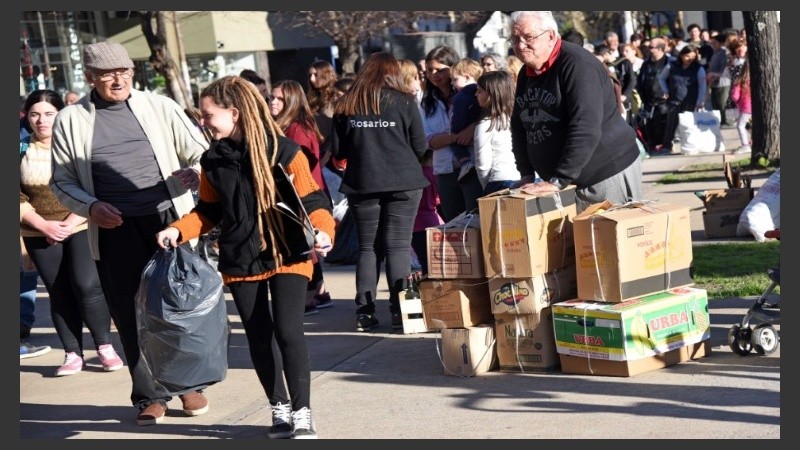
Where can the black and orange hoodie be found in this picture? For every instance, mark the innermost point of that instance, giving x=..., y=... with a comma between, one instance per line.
x=227, y=199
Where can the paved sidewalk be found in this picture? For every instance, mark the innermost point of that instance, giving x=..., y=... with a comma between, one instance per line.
x=390, y=385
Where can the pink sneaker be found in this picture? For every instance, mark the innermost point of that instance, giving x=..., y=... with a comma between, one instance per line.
x=111, y=361
x=72, y=365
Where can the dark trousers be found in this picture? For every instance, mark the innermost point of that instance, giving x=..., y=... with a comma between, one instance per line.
x=124, y=253
x=419, y=242
x=719, y=99
x=384, y=222
x=70, y=276
x=671, y=125
x=285, y=324
x=458, y=196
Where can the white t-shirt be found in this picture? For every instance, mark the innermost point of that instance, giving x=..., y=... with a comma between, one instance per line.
x=494, y=160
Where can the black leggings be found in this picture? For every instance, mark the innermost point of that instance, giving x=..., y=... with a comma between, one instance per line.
x=285, y=324
x=70, y=276
x=384, y=222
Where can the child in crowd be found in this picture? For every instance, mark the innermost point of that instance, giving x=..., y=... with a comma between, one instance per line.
x=740, y=94
x=494, y=160
x=466, y=111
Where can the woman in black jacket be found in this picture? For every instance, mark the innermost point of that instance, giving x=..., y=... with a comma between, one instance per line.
x=264, y=250
x=378, y=128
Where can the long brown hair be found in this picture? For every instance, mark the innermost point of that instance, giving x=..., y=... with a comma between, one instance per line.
x=296, y=108
x=319, y=99
x=499, y=86
x=255, y=122
x=380, y=71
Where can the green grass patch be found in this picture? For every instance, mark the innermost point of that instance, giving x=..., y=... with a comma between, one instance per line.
x=713, y=172
x=736, y=269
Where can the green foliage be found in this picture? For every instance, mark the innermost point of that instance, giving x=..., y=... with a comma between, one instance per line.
x=714, y=172
x=734, y=269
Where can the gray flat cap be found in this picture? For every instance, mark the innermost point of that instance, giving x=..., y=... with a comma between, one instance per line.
x=106, y=56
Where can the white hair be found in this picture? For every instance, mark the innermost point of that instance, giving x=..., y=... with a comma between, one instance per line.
x=542, y=20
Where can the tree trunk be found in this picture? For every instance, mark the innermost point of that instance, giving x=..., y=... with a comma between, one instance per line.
x=348, y=55
x=161, y=59
x=763, y=56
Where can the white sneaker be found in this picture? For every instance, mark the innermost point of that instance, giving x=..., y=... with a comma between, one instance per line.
x=742, y=150
x=303, y=424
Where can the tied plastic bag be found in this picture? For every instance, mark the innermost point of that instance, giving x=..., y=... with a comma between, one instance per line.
x=763, y=213
x=182, y=321
x=700, y=132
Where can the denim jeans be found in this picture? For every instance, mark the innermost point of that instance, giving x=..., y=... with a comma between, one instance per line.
x=384, y=222
x=27, y=297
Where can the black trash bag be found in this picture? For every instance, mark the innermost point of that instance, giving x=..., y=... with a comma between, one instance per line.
x=182, y=321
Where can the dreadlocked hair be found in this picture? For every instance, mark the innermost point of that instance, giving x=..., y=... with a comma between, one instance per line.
x=255, y=122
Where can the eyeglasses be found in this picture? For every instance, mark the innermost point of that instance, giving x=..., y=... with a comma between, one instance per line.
x=528, y=41
x=111, y=76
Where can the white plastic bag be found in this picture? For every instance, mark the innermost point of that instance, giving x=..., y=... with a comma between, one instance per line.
x=700, y=132
x=763, y=213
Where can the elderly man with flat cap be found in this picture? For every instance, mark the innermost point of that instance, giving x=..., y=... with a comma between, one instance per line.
x=126, y=159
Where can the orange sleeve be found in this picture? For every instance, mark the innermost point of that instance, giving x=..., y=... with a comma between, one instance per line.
x=304, y=184
x=194, y=224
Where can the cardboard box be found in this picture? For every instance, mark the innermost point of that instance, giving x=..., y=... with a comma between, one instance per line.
x=532, y=295
x=470, y=351
x=636, y=329
x=525, y=342
x=413, y=316
x=625, y=252
x=727, y=199
x=454, y=303
x=586, y=366
x=525, y=235
x=454, y=249
x=719, y=224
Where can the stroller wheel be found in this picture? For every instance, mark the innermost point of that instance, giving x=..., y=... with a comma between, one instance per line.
x=739, y=340
x=765, y=339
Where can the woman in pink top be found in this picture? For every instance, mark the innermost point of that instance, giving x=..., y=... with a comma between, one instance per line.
x=740, y=95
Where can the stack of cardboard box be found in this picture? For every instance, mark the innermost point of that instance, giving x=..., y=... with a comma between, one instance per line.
x=455, y=299
x=635, y=310
x=529, y=255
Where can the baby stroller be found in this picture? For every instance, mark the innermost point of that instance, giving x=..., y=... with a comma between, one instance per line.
x=755, y=331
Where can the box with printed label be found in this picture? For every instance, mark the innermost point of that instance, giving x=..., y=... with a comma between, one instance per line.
x=627, y=251
x=524, y=234
x=454, y=303
x=525, y=342
x=631, y=330
x=531, y=295
x=469, y=351
x=717, y=224
x=454, y=249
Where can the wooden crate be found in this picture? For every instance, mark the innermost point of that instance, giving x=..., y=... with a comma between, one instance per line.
x=413, y=320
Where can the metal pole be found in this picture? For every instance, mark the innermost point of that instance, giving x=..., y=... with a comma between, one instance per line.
x=48, y=82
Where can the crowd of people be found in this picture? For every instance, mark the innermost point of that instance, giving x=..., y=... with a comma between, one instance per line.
x=112, y=177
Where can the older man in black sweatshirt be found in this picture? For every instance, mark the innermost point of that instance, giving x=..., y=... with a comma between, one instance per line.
x=565, y=126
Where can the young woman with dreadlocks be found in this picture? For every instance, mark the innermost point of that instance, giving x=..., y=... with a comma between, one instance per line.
x=263, y=251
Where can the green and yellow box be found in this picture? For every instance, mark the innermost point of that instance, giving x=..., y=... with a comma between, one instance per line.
x=634, y=329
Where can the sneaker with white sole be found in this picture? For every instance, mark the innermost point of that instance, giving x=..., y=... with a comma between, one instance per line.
x=109, y=358
x=303, y=424
x=282, y=427
x=27, y=350
x=742, y=150
x=72, y=365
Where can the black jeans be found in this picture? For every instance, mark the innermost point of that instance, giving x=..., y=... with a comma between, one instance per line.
x=384, y=222
x=70, y=276
x=124, y=253
x=285, y=324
